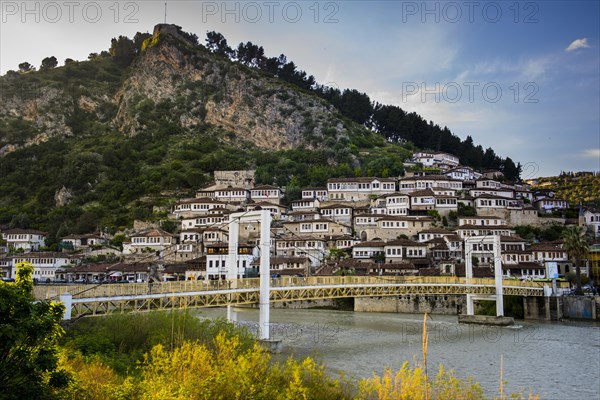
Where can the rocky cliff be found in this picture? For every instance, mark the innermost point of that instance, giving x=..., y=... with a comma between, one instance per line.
x=196, y=86
x=259, y=109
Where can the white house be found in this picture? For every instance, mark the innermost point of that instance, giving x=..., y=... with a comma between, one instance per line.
x=217, y=260
x=6, y=268
x=231, y=194
x=286, y=265
x=44, y=264
x=422, y=200
x=306, y=204
x=465, y=231
x=414, y=183
x=149, y=240
x=277, y=211
x=266, y=193
x=445, y=161
x=549, y=204
x=396, y=204
x=315, y=193
x=365, y=251
x=337, y=212
x=591, y=218
x=463, y=174
x=26, y=239
x=203, y=221
x=544, y=253
x=322, y=228
x=481, y=220
x=400, y=249
x=487, y=201
x=358, y=189
x=78, y=242
x=433, y=233
x=188, y=207
x=312, y=247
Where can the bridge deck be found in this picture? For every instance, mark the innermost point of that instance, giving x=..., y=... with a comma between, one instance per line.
x=107, y=298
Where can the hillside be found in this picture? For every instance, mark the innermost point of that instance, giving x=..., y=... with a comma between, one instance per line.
x=95, y=144
x=575, y=187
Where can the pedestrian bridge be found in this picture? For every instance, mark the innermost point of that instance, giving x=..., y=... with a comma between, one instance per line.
x=134, y=297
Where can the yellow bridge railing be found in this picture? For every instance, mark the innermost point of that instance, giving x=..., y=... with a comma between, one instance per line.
x=139, y=289
x=108, y=298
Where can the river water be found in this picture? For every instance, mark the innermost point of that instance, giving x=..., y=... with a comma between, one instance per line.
x=557, y=360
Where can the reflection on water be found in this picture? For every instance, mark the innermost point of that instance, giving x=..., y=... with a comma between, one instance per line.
x=556, y=360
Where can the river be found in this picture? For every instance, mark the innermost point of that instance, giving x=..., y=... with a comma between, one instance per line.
x=558, y=360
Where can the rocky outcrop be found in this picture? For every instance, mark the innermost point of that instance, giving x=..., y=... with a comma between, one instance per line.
x=62, y=197
x=256, y=108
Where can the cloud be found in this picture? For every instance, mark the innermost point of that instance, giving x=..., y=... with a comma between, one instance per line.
x=591, y=153
x=578, y=44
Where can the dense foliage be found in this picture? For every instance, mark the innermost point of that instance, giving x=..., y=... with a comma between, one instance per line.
x=29, y=332
x=576, y=188
x=177, y=356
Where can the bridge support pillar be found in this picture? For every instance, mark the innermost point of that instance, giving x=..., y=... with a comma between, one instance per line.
x=264, y=217
x=485, y=245
x=67, y=299
x=231, y=314
x=470, y=305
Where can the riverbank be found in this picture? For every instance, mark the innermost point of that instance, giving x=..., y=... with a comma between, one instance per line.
x=177, y=356
x=535, y=353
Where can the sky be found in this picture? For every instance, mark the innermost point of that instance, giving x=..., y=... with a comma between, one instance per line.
x=522, y=77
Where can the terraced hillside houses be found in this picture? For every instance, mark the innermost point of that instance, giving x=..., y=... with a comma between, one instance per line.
x=412, y=225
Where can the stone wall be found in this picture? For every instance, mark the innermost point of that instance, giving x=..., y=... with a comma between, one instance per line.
x=535, y=308
x=304, y=304
x=434, y=304
x=579, y=307
x=520, y=217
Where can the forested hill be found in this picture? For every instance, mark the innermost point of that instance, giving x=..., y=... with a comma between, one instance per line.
x=94, y=144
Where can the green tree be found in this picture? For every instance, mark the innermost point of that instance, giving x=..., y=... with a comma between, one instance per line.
x=25, y=67
x=575, y=243
x=337, y=254
x=29, y=331
x=217, y=43
x=122, y=50
x=49, y=63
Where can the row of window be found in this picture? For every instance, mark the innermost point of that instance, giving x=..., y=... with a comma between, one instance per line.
x=393, y=224
x=550, y=255
x=515, y=257
x=265, y=193
x=225, y=250
x=492, y=203
x=150, y=240
x=192, y=206
x=323, y=227
x=301, y=244
x=481, y=222
x=14, y=236
x=483, y=232
x=37, y=260
x=336, y=211
x=361, y=186
x=409, y=252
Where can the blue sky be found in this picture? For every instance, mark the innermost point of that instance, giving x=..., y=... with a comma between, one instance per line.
x=520, y=77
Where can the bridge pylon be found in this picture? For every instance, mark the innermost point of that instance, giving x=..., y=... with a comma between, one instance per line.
x=489, y=245
x=264, y=218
